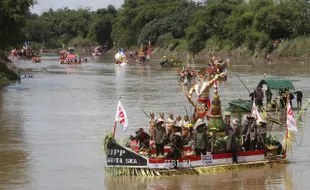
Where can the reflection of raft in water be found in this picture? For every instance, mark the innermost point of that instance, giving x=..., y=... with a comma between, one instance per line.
x=167, y=63
x=123, y=161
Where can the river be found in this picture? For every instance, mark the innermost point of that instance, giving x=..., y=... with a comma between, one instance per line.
x=52, y=125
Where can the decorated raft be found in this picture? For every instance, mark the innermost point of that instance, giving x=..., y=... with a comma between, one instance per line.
x=170, y=63
x=123, y=161
x=130, y=161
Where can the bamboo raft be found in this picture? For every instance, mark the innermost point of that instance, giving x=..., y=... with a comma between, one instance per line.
x=143, y=172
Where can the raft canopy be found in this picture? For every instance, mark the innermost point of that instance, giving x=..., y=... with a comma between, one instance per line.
x=277, y=83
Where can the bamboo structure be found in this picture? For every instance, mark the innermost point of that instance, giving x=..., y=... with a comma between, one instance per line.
x=148, y=172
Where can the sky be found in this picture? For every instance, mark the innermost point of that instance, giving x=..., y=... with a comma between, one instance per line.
x=44, y=5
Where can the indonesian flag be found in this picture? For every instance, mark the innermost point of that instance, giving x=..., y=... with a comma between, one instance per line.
x=255, y=113
x=121, y=116
x=290, y=121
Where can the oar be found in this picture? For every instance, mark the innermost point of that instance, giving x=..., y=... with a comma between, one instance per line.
x=239, y=78
x=193, y=169
x=146, y=114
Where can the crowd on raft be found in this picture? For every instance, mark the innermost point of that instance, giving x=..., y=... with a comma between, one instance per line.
x=277, y=103
x=180, y=133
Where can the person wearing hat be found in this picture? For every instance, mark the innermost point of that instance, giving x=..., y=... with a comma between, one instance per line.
x=159, y=135
x=227, y=122
x=186, y=136
x=235, y=127
x=232, y=145
x=299, y=98
x=245, y=132
x=176, y=149
x=252, y=135
x=261, y=134
x=200, y=138
x=143, y=138
x=259, y=96
x=268, y=96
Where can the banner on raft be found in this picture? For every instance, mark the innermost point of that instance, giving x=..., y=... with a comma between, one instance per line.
x=119, y=156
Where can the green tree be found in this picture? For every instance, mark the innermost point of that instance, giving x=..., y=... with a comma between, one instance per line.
x=12, y=19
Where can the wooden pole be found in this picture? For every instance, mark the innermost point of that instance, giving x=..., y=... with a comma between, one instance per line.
x=115, y=121
x=114, y=130
x=286, y=129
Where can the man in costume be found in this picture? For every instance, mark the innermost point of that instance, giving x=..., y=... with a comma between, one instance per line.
x=152, y=120
x=170, y=123
x=202, y=88
x=178, y=121
x=161, y=117
x=185, y=122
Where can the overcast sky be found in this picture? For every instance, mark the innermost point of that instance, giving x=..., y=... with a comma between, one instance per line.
x=43, y=5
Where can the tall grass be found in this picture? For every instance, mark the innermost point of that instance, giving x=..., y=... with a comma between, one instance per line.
x=297, y=47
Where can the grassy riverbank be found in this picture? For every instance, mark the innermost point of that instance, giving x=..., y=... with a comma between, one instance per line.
x=8, y=72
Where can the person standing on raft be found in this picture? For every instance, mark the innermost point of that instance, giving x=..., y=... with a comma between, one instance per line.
x=202, y=88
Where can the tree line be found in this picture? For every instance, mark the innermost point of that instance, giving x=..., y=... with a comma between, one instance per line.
x=174, y=24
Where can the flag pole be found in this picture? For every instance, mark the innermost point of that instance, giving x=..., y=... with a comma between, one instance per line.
x=286, y=130
x=114, y=130
x=115, y=121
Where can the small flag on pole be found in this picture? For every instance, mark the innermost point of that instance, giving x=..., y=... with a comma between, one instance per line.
x=290, y=121
x=121, y=116
x=290, y=129
x=255, y=113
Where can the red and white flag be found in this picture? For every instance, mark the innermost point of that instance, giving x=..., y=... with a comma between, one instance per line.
x=121, y=116
x=290, y=121
x=255, y=113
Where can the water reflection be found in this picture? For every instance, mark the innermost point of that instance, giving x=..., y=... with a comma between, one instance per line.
x=279, y=177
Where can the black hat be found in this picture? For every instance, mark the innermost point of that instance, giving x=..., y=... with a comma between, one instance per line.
x=177, y=128
x=249, y=117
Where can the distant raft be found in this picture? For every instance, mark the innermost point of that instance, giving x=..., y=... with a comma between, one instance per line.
x=171, y=63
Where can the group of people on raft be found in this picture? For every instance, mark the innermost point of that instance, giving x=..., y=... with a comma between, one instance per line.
x=206, y=130
x=277, y=103
x=179, y=133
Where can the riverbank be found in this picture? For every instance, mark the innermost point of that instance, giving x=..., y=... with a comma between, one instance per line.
x=285, y=52
x=237, y=55
x=8, y=72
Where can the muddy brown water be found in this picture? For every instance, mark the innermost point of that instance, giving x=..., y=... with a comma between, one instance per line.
x=52, y=125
